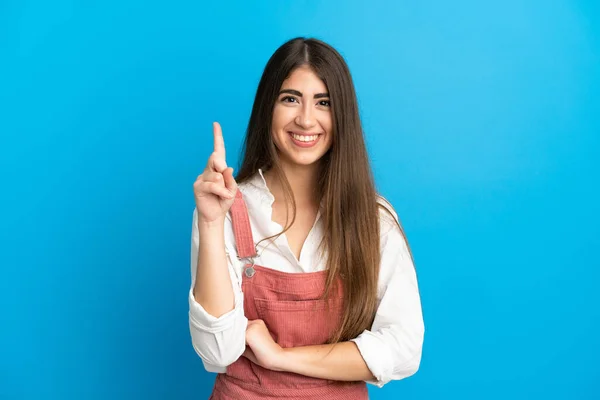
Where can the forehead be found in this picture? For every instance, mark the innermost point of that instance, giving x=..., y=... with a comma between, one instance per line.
x=304, y=80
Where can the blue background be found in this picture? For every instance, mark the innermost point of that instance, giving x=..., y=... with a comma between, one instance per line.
x=482, y=119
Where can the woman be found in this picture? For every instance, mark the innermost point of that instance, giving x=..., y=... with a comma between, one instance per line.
x=303, y=285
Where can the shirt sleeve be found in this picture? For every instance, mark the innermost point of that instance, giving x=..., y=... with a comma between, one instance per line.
x=218, y=341
x=392, y=347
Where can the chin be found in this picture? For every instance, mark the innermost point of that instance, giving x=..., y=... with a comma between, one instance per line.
x=303, y=161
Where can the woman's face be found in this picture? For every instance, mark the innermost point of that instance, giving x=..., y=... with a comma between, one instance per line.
x=301, y=125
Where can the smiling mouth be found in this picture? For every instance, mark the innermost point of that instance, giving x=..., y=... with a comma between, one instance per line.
x=303, y=137
x=304, y=141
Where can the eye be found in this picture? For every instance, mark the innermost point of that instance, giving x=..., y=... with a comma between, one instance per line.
x=289, y=99
x=325, y=103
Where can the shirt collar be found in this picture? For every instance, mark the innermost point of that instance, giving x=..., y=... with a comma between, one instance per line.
x=258, y=186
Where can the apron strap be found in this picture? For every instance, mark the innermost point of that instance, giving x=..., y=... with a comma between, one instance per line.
x=241, y=227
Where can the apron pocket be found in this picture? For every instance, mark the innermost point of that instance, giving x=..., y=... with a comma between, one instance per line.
x=300, y=323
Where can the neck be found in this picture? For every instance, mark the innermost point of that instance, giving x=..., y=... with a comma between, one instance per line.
x=302, y=179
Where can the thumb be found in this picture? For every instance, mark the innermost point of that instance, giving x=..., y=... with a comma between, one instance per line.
x=229, y=180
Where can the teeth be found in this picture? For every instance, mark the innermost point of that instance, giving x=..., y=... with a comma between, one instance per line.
x=302, y=138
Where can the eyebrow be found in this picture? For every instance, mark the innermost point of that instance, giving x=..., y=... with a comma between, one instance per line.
x=299, y=94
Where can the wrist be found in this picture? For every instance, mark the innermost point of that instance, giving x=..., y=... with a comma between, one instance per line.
x=204, y=225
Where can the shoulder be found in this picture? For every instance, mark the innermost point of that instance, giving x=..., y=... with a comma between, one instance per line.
x=396, y=255
x=388, y=218
x=393, y=237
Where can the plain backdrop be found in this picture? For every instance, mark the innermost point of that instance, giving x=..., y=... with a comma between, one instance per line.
x=482, y=121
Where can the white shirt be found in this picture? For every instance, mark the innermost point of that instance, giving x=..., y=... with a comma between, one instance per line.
x=391, y=348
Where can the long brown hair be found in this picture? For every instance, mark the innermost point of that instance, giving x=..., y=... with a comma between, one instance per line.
x=346, y=185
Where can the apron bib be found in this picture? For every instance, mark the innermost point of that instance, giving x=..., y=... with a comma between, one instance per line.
x=291, y=307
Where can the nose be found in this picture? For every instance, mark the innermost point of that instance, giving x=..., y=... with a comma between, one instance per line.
x=305, y=117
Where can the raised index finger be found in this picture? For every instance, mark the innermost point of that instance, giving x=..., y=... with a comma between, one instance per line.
x=218, y=139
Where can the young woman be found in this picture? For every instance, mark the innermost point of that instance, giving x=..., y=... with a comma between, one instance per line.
x=303, y=285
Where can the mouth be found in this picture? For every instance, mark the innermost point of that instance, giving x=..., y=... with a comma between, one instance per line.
x=304, y=140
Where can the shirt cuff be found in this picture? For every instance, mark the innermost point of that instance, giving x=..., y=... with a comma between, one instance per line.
x=377, y=357
x=209, y=323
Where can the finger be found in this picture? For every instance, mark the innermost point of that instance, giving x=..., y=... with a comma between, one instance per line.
x=216, y=163
x=216, y=189
x=219, y=144
x=229, y=180
x=212, y=176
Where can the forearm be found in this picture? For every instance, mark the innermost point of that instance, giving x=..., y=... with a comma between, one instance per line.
x=340, y=362
x=213, y=289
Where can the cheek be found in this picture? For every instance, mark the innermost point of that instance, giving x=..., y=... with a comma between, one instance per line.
x=327, y=122
x=328, y=126
x=277, y=124
x=281, y=117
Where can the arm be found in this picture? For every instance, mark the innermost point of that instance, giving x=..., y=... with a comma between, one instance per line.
x=218, y=340
x=392, y=348
x=338, y=362
x=217, y=321
x=212, y=288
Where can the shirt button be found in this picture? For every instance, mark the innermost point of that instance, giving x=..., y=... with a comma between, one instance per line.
x=249, y=272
